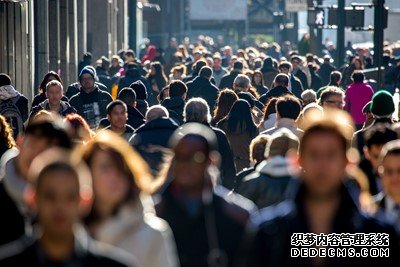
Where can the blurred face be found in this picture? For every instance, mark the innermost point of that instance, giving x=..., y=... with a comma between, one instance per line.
x=110, y=184
x=257, y=78
x=87, y=81
x=217, y=63
x=390, y=175
x=295, y=64
x=372, y=154
x=177, y=75
x=323, y=161
x=190, y=164
x=54, y=95
x=152, y=70
x=334, y=101
x=31, y=147
x=228, y=52
x=57, y=201
x=118, y=117
x=284, y=70
x=115, y=62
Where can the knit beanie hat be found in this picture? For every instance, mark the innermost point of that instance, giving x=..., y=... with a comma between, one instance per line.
x=4, y=79
x=140, y=90
x=382, y=104
x=87, y=70
x=281, y=142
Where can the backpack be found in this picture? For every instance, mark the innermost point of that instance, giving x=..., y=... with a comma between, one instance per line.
x=10, y=110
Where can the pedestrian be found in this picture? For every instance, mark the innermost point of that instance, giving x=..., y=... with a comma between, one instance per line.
x=41, y=96
x=176, y=101
x=123, y=213
x=198, y=210
x=157, y=80
x=6, y=136
x=141, y=96
x=332, y=98
x=258, y=83
x=240, y=129
x=91, y=102
x=225, y=100
x=228, y=79
x=279, y=88
x=117, y=115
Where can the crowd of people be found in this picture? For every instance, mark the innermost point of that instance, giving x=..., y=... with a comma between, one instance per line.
x=199, y=155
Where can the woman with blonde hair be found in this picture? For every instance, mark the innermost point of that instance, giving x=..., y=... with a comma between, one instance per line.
x=6, y=136
x=123, y=212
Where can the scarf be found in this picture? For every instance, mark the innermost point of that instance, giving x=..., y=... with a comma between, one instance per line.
x=7, y=92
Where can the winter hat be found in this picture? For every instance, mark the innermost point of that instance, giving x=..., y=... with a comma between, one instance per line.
x=87, y=70
x=140, y=90
x=4, y=79
x=281, y=142
x=382, y=104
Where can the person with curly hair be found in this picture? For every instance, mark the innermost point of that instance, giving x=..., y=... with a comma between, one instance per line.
x=6, y=136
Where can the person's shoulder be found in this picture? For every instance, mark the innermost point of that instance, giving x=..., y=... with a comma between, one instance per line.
x=274, y=214
x=101, y=254
x=235, y=203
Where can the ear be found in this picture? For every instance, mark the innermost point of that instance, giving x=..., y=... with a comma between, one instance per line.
x=30, y=197
x=19, y=141
x=366, y=153
x=215, y=158
x=86, y=201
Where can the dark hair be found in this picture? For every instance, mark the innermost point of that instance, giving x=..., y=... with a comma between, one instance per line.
x=197, y=67
x=391, y=148
x=248, y=97
x=285, y=65
x=45, y=81
x=177, y=89
x=129, y=53
x=159, y=76
x=54, y=131
x=87, y=56
x=328, y=92
x=288, y=107
x=358, y=76
x=4, y=79
x=335, y=76
x=127, y=95
x=226, y=99
x=115, y=103
x=282, y=79
x=240, y=119
x=206, y=72
x=379, y=134
x=257, y=72
x=238, y=65
x=270, y=107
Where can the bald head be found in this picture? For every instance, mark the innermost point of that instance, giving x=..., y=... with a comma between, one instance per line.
x=156, y=112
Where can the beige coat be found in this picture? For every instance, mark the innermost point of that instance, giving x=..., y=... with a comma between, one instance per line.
x=139, y=231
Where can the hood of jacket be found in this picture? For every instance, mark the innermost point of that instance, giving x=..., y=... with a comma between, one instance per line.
x=157, y=124
x=277, y=166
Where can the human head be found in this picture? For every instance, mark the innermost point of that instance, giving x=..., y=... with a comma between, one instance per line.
x=281, y=79
x=87, y=78
x=54, y=92
x=128, y=96
x=288, y=107
x=50, y=76
x=258, y=78
x=335, y=78
x=332, y=97
x=80, y=130
x=238, y=65
x=117, y=114
x=281, y=143
x=217, y=60
x=197, y=110
x=60, y=190
x=140, y=90
x=389, y=169
x=375, y=138
x=382, y=105
x=358, y=76
x=178, y=89
x=257, y=148
x=295, y=60
x=309, y=96
x=241, y=83
x=285, y=67
x=4, y=79
x=194, y=147
x=129, y=55
x=206, y=72
x=240, y=118
x=323, y=151
x=155, y=112
x=225, y=100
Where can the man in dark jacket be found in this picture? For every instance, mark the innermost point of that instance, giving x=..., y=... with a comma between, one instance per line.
x=323, y=201
x=210, y=227
x=176, y=101
x=117, y=115
x=132, y=75
x=38, y=137
x=90, y=102
x=75, y=88
x=280, y=88
x=151, y=139
x=202, y=87
x=57, y=184
x=197, y=110
x=135, y=118
x=297, y=72
x=295, y=85
x=335, y=80
x=267, y=185
x=325, y=70
x=228, y=79
x=54, y=94
x=141, y=96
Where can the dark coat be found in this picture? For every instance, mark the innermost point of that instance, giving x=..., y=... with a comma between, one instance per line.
x=202, y=87
x=175, y=106
x=152, y=139
x=278, y=223
x=269, y=75
x=297, y=87
x=228, y=79
x=88, y=253
x=302, y=77
x=274, y=92
x=366, y=166
x=64, y=111
x=225, y=219
x=324, y=73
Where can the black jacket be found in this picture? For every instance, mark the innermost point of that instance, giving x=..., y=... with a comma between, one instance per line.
x=131, y=76
x=225, y=220
x=274, y=92
x=278, y=223
x=202, y=87
x=366, y=166
x=228, y=79
x=297, y=87
x=151, y=140
x=87, y=252
x=324, y=72
x=73, y=89
x=302, y=77
x=175, y=106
